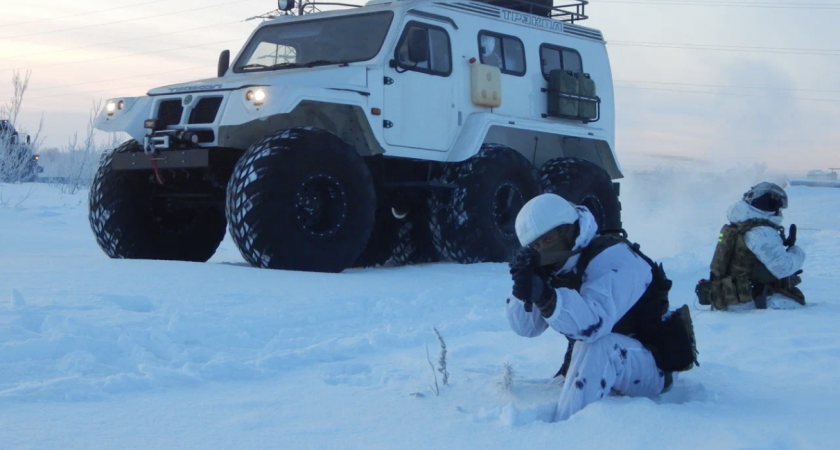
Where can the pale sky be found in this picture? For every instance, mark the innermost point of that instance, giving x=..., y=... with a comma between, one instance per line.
x=783, y=110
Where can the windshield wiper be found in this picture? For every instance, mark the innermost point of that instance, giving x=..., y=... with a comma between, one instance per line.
x=324, y=62
x=253, y=66
x=258, y=67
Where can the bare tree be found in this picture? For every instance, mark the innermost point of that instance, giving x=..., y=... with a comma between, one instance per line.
x=16, y=150
x=79, y=178
x=72, y=167
x=12, y=109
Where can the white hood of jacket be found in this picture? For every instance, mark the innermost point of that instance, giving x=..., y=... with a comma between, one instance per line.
x=588, y=231
x=742, y=211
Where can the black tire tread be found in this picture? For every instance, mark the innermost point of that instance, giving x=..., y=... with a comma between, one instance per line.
x=577, y=180
x=124, y=225
x=458, y=232
x=259, y=208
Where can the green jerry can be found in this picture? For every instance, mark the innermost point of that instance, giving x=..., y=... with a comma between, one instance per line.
x=562, y=82
x=586, y=88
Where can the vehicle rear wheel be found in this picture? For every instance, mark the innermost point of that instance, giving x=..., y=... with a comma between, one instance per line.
x=475, y=222
x=584, y=183
x=133, y=217
x=301, y=199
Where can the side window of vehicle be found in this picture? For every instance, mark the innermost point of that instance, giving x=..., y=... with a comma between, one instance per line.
x=503, y=51
x=559, y=58
x=424, y=48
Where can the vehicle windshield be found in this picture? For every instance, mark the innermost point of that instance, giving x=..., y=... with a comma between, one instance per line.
x=311, y=43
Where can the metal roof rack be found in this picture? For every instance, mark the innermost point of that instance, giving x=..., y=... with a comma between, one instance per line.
x=571, y=11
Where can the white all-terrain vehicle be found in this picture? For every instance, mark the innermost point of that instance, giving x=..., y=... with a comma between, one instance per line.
x=398, y=132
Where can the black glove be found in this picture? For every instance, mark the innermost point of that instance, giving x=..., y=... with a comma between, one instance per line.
x=525, y=258
x=530, y=288
x=791, y=238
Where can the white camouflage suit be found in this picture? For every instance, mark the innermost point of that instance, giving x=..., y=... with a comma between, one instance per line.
x=602, y=361
x=767, y=245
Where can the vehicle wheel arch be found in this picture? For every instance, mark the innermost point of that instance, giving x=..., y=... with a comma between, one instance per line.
x=347, y=121
x=537, y=146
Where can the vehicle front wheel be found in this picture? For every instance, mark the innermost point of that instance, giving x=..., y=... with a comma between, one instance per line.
x=301, y=199
x=133, y=217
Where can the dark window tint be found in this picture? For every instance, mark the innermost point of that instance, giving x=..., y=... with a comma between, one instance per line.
x=505, y=52
x=559, y=58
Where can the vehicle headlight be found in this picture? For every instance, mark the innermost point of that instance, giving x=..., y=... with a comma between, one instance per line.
x=257, y=96
x=113, y=106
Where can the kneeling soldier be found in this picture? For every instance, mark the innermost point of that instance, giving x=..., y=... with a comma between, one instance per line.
x=754, y=264
x=608, y=298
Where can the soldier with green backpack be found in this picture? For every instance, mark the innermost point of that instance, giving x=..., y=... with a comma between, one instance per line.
x=755, y=265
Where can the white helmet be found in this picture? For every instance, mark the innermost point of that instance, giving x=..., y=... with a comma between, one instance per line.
x=542, y=214
x=768, y=197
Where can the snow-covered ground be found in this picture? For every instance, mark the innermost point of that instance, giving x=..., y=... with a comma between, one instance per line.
x=100, y=353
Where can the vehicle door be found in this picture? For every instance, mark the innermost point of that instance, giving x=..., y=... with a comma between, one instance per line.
x=420, y=87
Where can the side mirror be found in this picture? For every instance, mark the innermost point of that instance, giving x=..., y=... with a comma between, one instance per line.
x=418, y=45
x=285, y=5
x=224, y=63
x=28, y=140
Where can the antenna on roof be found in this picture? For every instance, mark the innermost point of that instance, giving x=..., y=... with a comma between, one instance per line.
x=295, y=8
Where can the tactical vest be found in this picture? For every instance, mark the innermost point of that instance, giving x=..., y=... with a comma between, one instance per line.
x=737, y=276
x=653, y=303
x=643, y=321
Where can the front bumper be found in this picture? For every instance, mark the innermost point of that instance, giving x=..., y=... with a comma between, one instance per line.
x=166, y=159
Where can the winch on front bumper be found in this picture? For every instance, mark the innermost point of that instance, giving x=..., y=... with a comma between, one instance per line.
x=165, y=149
x=180, y=134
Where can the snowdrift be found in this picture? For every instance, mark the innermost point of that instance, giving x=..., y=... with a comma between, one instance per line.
x=100, y=353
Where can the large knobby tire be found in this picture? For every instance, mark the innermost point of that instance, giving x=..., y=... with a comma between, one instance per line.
x=584, y=183
x=475, y=222
x=399, y=242
x=130, y=220
x=301, y=199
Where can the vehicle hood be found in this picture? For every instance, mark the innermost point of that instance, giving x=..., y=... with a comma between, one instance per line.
x=353, y=77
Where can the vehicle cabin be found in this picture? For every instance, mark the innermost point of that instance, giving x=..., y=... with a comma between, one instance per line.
x=434, y=103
